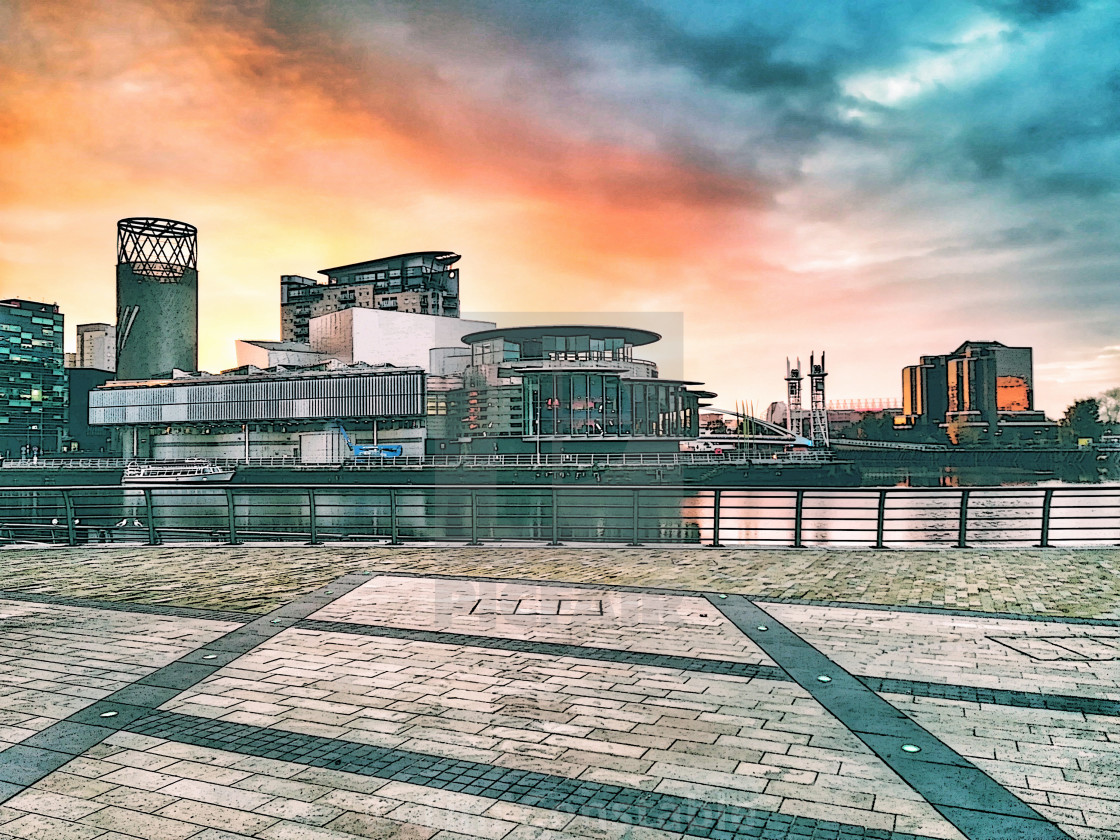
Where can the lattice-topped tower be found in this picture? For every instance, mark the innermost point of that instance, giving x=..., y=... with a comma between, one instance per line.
x=157, y=297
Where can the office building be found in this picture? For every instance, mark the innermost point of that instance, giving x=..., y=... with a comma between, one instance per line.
x=983, y=385
x=32, y=378
x=157, y=297
x=97, y=347
x=422, y=282
x=80, y=436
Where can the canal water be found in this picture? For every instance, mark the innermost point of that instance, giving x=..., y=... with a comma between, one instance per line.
x=902, y=510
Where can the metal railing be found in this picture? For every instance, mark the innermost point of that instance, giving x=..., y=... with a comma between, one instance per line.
x=581, y=460
x=1068, y=515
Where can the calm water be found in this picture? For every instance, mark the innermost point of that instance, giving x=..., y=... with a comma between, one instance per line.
x=912, y=514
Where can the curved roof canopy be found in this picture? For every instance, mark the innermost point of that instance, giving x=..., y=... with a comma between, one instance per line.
x=630, y=335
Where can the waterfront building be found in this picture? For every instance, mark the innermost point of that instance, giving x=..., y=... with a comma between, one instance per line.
x=268, y=354
x=97, y=347
x=422, y=282
x=32, y=378
x=253, y=413
x=80, y=435
x=558, y=389
x=157, y=297
x=982, y=385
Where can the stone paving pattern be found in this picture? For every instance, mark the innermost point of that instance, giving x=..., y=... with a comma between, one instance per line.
x=638, y=621
x=1057, y=582
x=644, y=733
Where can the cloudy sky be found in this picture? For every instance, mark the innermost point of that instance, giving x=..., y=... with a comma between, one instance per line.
x=877, y=178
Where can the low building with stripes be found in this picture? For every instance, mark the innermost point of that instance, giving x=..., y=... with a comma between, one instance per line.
x=253, y=413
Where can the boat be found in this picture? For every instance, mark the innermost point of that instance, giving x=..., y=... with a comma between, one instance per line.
x=188, y=471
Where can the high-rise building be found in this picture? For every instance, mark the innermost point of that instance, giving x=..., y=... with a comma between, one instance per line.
x=97, y=347
x=982, y=384
x=423, y=282
x=157, y=297
x=32, y=378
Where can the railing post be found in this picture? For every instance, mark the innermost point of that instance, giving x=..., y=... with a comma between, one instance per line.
x=637, y=516
x=474, y=517
x=1044, y=535
x=312, y=519
x=231, y=510
x=68, y=506
x=798, y=512
x=715, y=519
x=881, y=518
x=555, y=517
x=394, y=530
x=149, y=513
x=962, y=526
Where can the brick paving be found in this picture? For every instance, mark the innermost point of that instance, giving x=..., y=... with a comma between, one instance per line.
x=548, y=702
x=1056, y=582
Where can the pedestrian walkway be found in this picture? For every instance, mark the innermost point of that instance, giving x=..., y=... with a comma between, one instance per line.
x=546, y=703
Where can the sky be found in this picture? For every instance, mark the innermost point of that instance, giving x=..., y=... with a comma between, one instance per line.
x=879, y=179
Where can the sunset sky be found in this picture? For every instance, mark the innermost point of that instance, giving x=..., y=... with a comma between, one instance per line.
x=880, y=179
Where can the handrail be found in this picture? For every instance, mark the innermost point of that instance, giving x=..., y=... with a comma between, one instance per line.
x=578, y=460
x=727, y=515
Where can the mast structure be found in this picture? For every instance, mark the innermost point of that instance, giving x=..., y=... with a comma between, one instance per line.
x=818, y=412
x=794, y=414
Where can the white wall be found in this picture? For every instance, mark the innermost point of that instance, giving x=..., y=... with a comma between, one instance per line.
x=379, y=336
x=249, y=353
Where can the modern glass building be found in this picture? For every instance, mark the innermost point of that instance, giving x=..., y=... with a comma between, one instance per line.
x=32, y=378
x=576, y=384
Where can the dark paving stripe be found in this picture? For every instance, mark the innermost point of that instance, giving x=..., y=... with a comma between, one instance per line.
x=600, y=801
x=40, y=755
x=1020, y=699
x=932, y=610
x=994, y=696
x=915, y=688
x=966, y=796
x=125, y=606
x=625, y=657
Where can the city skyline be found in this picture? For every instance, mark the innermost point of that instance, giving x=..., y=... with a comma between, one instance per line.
x=875, y=180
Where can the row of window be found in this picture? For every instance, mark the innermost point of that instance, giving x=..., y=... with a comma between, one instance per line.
x=569, y=403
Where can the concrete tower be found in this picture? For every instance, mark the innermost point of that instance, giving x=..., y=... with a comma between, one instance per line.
x=157, y=297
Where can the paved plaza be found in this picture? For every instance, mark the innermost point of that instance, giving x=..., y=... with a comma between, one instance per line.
x=336, y=693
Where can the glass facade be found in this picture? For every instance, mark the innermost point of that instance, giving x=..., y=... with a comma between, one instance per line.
x=576, y=403
x=565, y=348
x=32, y=379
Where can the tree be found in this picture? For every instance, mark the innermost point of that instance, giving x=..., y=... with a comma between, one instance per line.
x=1083, y=419
x=960, y=433
x=1110, y=406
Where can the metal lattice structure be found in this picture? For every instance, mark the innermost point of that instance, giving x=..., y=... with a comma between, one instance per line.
x=158, y=248
x=818, y=413
x=794, y=414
